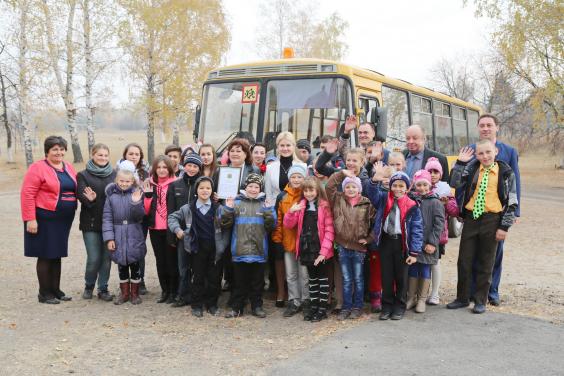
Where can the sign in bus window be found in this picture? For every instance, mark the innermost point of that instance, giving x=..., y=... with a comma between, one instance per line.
x=249, y=93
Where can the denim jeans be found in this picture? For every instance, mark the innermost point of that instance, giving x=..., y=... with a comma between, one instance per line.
x=353, y=277
x=98, y=262
x=185, y=275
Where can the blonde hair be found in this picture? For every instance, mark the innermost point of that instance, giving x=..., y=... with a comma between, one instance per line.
x=311, y=182
x=357, y=151
x=288, y=136
x=397, y=155
x=127, y=173
x=99, y=146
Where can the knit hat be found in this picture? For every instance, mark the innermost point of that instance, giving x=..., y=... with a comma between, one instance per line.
x=297, y=169
x=434, y=164
x=422, y=175
x=400, y=175
x=254, y=178
x=304, y=144
x=194, y=159
x=353, y=180
x=127, y=166
x=269, y=158
x=202, y=179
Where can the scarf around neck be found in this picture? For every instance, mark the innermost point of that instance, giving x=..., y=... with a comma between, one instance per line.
x=101, y=172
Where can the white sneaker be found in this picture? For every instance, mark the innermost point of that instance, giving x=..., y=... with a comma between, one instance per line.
x=433, y=300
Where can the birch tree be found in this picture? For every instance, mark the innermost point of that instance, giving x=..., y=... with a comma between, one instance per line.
x=4, y=80
x=65, y=85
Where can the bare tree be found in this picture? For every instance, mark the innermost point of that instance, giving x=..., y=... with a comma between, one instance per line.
x=454, y=79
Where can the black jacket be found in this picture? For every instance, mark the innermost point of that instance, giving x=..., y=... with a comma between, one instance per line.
x=180, y=193
x=428, y=153
x=91, y=211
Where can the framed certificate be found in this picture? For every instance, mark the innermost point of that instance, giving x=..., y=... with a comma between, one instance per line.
x=229, y=182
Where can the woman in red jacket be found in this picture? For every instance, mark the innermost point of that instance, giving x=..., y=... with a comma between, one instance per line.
x=48, y=204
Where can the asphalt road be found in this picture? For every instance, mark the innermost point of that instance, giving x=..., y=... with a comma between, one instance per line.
x=439, y=342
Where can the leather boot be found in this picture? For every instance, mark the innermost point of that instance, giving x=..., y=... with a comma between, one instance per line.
x=411, y=293
x=124, y=293
x=423, y=292
x=135, y=299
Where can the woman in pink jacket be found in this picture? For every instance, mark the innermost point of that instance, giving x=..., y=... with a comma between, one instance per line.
x=48, y=204
x=314, y=243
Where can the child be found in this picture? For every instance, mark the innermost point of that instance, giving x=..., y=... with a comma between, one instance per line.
x=122, y=230
x=156, y=208
x=209, y=160
x=285, y=238
x=375, y=274
x=173, y=153
x=397, y=161
x=314, y=243
x=488, y=208
x=354, y=161
x=433, y=213
x=181, y=192
x=352, y=215
x=398, y=234
x=251, y=222
x=197, y=225
x=443, y=190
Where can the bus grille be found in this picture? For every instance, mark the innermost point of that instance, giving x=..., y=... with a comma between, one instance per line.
x=273, y=69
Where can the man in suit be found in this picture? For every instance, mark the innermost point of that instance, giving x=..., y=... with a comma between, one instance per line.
x=417, y=154
x=488, y=126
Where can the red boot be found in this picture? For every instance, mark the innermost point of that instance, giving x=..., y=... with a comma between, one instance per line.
x=124, y=293
x=135, y=299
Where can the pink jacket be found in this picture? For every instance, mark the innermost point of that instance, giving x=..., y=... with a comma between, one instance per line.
x=159, y=196
x=324, y=226
x=451, y=210
x=41, y=188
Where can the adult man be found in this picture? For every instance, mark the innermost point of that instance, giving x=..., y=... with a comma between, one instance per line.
x=488, y=126
x=417, y=154
x=303, y=150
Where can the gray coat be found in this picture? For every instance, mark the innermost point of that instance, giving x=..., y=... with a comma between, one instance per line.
x=433, y=213
x=122, y=223
x=184, y=216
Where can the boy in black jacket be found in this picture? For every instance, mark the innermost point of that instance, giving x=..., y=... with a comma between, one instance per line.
x=488, y=208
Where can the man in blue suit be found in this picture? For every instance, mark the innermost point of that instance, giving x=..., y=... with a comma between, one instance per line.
x=488, y=126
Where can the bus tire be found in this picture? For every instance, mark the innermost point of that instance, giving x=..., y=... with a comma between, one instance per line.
x=454, y=227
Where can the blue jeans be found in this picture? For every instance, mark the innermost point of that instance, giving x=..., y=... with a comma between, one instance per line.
x=353, y=277
x=419, y=270
x=98, y=262
x=185, y=275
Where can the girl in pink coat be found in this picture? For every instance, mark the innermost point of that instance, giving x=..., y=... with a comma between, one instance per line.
x=443, y=190
x=314, y=243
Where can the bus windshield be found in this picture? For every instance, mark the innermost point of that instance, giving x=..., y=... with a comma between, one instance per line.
x=227, y=110
x=309, y=108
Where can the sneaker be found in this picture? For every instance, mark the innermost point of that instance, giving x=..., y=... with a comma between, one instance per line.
x=318, y=316
x=105, y=296
x=495, y=302
x=355, y=313
x=308, y=314
x=233, y=314
x=197, y=312
x=479, y=308
x=88, y=292
x=433, y=300
x=385, y=314
x=291, y=310
x=456, y=304
x=258, y=312
x=397, y=314
x=213, y=310
x=343, y=315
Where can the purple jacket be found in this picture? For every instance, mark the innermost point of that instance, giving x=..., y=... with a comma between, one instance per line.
x=121, y=222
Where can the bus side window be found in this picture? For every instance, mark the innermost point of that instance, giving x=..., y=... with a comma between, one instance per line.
x=443, y=128
x=460, y=135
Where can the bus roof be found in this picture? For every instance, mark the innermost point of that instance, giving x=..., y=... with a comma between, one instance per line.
x=308, y=67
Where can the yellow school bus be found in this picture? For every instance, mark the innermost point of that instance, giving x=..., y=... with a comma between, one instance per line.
x=313, y=97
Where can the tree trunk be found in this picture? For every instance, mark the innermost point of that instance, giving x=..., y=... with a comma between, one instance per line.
x=10, y=148
x=66, y=90
x=88, y=76
x=151, y=100
x=23, y=82
x=176, y=132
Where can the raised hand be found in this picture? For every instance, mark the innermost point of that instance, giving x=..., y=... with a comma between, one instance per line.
x=136, y=196
x=296, y=207
x=332, y=146
x=89, y=194
x=466, y=154
x=147, y=186
x=230, y=202
x=348, y=173
x=350, y=124
x=379, y=171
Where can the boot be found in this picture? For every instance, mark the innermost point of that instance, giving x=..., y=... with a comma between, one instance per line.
x=423, y=292
x=411, y=293
x=135, y=299
x=124, y=293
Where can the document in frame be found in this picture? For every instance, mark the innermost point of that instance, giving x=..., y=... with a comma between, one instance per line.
x=229, y=182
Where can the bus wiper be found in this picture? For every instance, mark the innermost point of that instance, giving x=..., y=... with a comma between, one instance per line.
x=226, y=142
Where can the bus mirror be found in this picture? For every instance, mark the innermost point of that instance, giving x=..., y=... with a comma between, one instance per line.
x=379, y=117
x=196, y=132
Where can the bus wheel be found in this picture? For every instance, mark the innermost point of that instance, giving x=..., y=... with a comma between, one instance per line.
x=454, y=227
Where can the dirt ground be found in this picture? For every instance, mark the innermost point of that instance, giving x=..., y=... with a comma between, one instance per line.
x=93, y=337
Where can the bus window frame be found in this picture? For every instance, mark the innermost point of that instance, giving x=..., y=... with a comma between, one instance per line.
x=442, y=103
x=432, y=113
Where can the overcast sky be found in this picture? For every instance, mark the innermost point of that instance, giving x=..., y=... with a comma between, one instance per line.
x=399, y=38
